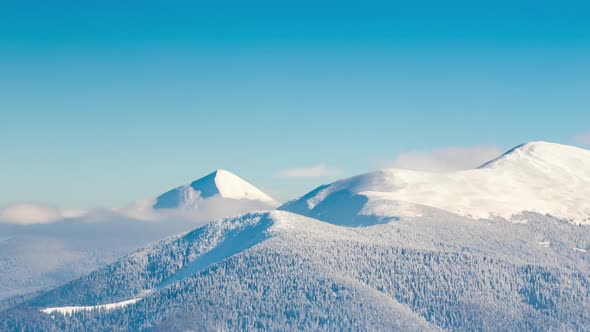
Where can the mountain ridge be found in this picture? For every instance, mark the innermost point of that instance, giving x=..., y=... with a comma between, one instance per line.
x=541, y=177
x=404, y=265
x=294, y=272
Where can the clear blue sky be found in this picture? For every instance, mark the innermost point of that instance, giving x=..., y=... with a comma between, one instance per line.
x=101, y=105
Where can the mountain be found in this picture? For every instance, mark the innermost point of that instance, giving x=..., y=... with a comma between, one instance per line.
x=504, y=247
x=40, y=256
x=220, y=183
x=280, y=271
x=540, y=177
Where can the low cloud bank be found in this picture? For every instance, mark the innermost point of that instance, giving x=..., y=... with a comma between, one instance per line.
x=583, y=138
x=35, y=213
x=447, y=159
x=206, y=210
x=308, y=172
x=42, y=246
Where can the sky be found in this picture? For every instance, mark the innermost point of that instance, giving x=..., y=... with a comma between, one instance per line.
x=106, y=103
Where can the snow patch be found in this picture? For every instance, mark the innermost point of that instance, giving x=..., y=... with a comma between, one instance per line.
x=73, y=309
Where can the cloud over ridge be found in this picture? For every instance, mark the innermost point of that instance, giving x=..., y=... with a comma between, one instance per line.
x=447, y=159
x=308, y=172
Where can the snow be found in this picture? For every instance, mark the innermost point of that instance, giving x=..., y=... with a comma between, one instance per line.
x=424, y=273
x=73, y=309
x=221, y=183
x=229, y=237
x=234, y=187
x=440, y=265
x=540, y=177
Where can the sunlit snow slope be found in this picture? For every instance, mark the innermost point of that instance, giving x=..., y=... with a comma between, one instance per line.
x=540, y=177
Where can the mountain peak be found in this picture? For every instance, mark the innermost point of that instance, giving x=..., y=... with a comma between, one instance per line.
x=221, y=183
x=541, y=151
x=541, y=177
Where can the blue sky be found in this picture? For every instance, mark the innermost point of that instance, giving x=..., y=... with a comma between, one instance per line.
x=101, y=105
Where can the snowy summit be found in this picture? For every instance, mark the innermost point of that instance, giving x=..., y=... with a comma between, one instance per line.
x=541, y=177
x=219, y=184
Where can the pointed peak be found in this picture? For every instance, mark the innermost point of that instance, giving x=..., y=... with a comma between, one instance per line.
x=220, y=183
x=218, y=175
x=221, y=173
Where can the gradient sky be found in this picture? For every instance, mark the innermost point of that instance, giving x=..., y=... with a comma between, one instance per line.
x=102, y=105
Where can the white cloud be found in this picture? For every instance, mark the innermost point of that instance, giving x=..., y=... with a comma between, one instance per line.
x=35, y=213
x=308, y=172
x=212, y=208
x=139, y=211
x=447, y=159
x=583, y=138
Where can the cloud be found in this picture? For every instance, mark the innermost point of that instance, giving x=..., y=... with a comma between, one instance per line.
x=212, y=208
x=309, y=172
x=59, y=250
x=447, y=159
x=583, y=138
x=35, y=213
x=139, y=211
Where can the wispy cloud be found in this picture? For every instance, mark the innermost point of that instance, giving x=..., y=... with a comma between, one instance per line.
x=308, y=172
x=35, y=213
x=446, y=159
x=210, y=209
x=583, y=138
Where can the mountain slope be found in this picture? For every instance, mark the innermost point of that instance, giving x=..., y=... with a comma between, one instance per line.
x=281, y=271
x=539, y=177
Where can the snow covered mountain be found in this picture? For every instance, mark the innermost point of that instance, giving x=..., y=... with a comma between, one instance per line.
x=424, y=255
x=540, y=177
x=39, y=256
x=280, y=271
x=220, y=183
